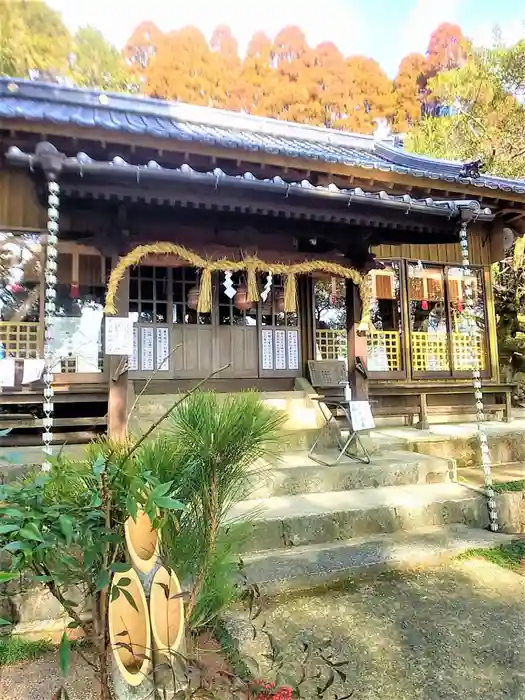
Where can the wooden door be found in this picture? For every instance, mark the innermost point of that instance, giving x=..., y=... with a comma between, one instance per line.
x=280, y=346
x=196, y=343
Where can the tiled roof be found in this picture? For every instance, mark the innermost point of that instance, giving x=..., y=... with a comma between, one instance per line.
x=134, y=115
x=83, y=165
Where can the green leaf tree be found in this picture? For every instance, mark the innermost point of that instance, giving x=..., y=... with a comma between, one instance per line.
x=95, y=63
x=33, y=41
x=484, y=113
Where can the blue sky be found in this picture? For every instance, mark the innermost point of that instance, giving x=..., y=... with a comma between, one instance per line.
x=383, y=29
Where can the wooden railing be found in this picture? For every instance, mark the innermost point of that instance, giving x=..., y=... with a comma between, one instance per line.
x=20, y=340
x=430, y=351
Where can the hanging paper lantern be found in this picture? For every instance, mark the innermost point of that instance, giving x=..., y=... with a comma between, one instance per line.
x=240, y=300
x=424, y=305
x=74, y=291
x=193, y=297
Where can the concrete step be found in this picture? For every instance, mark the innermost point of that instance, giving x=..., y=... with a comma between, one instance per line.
x=295, y=473
x=316, y=518
x=310, y=566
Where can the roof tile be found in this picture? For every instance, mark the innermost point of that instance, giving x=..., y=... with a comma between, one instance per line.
x=137, y=115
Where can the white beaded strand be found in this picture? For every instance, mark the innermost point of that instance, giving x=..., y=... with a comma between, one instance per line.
x=53, y=201
x=476, y=378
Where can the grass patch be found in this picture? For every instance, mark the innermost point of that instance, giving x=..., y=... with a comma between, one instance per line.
x=504, y=486
x=14, y=649
x=507, y=555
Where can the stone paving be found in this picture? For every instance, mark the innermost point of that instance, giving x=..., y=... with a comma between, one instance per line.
x=455, y=632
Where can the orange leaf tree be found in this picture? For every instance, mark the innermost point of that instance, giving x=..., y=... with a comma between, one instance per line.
x=409, y=88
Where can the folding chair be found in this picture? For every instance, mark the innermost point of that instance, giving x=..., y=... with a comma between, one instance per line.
x=330, y=379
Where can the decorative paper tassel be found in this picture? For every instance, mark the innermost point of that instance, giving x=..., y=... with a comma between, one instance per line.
x=290, y=301
x=204, y=305
x=252, y=292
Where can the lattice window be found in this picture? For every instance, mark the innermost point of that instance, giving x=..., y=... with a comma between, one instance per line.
x=148, y=293
x=19, y=340
x=384, y=351
x=430, y=352
x=331, y=344
x=465, y=357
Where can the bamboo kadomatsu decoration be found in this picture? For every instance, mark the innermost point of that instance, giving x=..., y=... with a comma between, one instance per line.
x=250, y=264
x=130, y=632
x=142, y=542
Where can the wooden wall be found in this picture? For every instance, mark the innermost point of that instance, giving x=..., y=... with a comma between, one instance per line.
x=479, y=248
x=19, y=207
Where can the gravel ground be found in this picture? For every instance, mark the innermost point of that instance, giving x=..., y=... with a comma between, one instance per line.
x=39, y=679
x=456, y=632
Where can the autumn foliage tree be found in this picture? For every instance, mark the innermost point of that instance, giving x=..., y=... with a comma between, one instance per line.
x=446, y=48
x=141, y=47
x=281, y=77
x=409, y=88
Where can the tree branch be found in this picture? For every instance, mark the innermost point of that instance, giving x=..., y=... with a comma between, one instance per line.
x=150, y=379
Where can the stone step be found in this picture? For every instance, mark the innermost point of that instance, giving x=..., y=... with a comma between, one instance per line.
x=295, y=473
x=457, y=441
x=316, y=518
x=310, y=566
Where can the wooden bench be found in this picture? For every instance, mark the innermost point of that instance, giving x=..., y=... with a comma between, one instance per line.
x=422, y=391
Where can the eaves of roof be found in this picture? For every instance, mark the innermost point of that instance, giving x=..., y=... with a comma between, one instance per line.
x=83, y=165
x=133, y=115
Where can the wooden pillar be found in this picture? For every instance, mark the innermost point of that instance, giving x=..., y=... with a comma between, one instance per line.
x=305, y=302
x=356, y=343
x=118, y=374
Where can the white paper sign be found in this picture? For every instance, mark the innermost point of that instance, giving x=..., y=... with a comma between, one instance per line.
x=361, y=415
x=119, y=336
x=7, y=372
x=163, y=349
x=377, y=359
x=32, y=370
x=267, y=349
x=133, y=359
x=146, y=360
x=280, y=349
x=293, y=349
